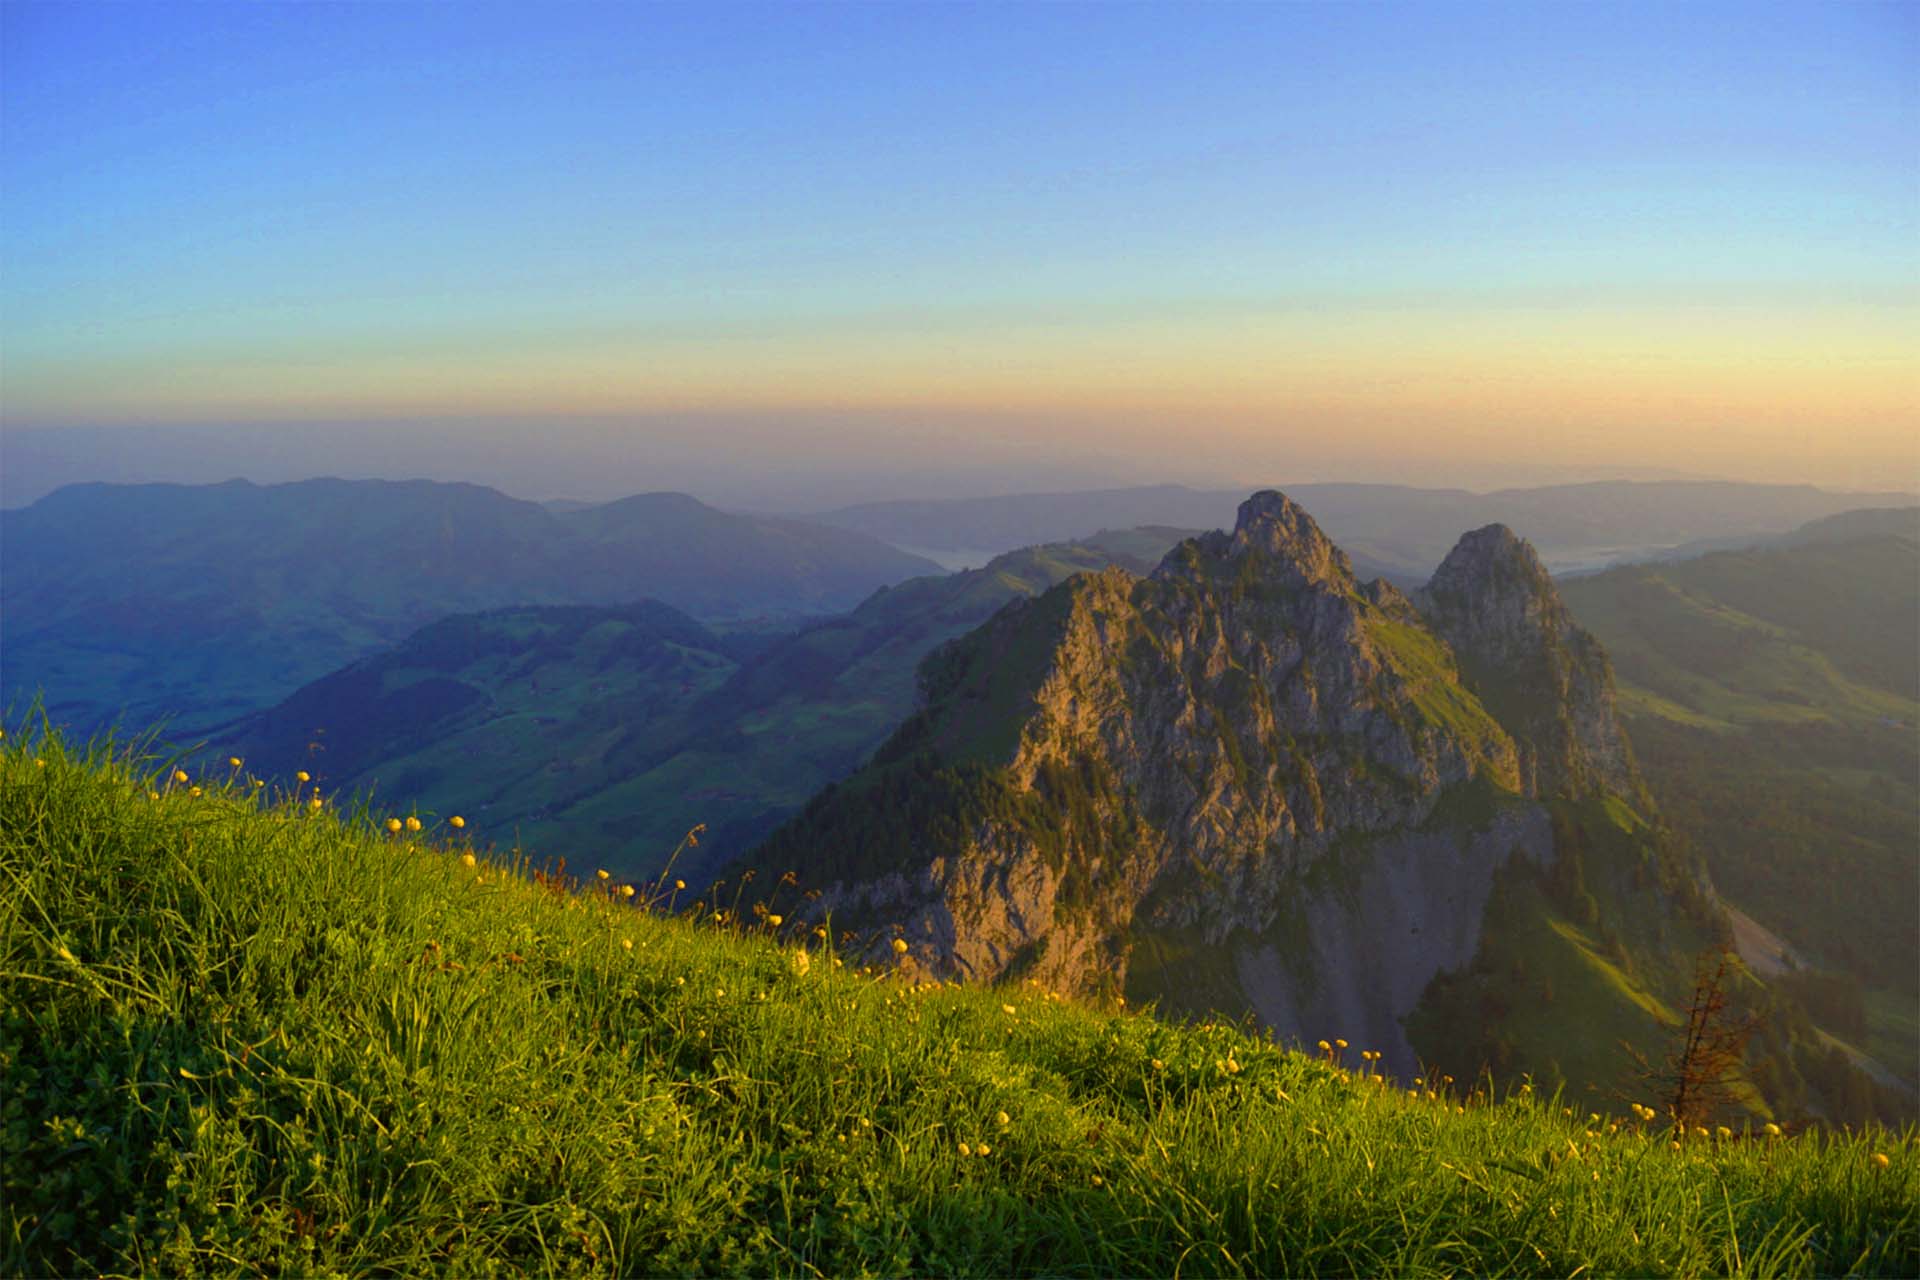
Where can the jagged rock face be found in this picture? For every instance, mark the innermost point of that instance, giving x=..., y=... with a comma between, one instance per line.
x=1544, y=677
x=1247, y=754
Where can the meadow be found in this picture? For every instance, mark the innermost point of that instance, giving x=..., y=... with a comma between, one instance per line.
x=249, y=1029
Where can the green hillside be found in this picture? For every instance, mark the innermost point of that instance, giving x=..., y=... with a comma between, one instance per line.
x=1771, y=696
x=246, y=1035
x=600, y=735
x=237, y=594
x=499, y=716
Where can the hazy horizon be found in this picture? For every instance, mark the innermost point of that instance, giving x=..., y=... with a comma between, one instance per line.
x=926, y=251
x=600, y=465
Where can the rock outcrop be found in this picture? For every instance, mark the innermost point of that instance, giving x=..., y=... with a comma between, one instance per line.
x=1247, y=769
x=1546, y=679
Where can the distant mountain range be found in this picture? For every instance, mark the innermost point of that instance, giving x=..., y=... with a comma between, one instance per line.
x=200, y=603
x=1404, y=531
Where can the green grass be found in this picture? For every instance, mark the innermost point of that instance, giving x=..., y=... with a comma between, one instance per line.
x=1423, y=662
x=241, y=1036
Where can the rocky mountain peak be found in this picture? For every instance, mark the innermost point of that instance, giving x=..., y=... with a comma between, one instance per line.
x=1494, y=574
x=1278, y=533
x=1543, y=677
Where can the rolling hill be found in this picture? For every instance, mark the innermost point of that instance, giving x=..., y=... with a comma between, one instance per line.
x=1772, y=697
x=603, y=735
x=198, y=604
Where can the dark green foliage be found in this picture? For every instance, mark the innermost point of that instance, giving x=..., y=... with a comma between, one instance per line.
x=1771, y=699
x=1811, y=828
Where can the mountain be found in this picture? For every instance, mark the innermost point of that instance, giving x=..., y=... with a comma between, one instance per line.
x=1249, y=783
x=604, y=734
x=1773, y=696
x=1399, y=530
x=200, y=603
x=1844, y=526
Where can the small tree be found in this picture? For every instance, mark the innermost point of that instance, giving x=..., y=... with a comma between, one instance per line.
x=1695, y=1079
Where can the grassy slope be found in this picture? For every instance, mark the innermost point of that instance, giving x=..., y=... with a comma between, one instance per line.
x=546, y=694
x=244, y=1036
x=1591, y=980
x=1771, y=699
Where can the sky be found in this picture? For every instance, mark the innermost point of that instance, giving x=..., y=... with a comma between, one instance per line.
x=843, y=251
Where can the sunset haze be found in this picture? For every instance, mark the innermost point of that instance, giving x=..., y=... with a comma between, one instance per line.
x=1198, y=239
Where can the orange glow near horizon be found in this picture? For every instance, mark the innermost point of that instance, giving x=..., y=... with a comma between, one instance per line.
x=1747, y=392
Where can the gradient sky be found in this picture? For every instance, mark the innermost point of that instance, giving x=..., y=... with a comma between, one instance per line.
x=1191, y=242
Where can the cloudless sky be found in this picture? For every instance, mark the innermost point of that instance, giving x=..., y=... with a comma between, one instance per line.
x=1194, y=239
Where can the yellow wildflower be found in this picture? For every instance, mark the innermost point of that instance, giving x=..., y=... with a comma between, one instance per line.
x=179, y=775
x=776, y=921
x=679, y=884
x=456, y=822
x=1880, y=1160
x=193, y=791
x=1008, y=1009
x=303, y=776
x=1002, y=1119
x=986, y=1150
x=1339, y=1044
x=627, y=943
x=603, y=874
x=393, y=825
x=626, y=891
x=468, y=860
x=315, y=803
x=899, y=946
x=965, y=1150
x=1158, y=1065
x=233, y=762
x=1771, y=1129
x=413, y=824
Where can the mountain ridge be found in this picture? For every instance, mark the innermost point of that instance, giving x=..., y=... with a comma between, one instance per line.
x=1404, y=529
x=205, y=602
x=1124, y=763
x=601, y=765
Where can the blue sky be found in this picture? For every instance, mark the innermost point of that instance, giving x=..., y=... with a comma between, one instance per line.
x=268, y=213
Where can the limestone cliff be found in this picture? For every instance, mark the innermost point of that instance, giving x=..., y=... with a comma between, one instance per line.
x=1545, y=678
x=1245, y=781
